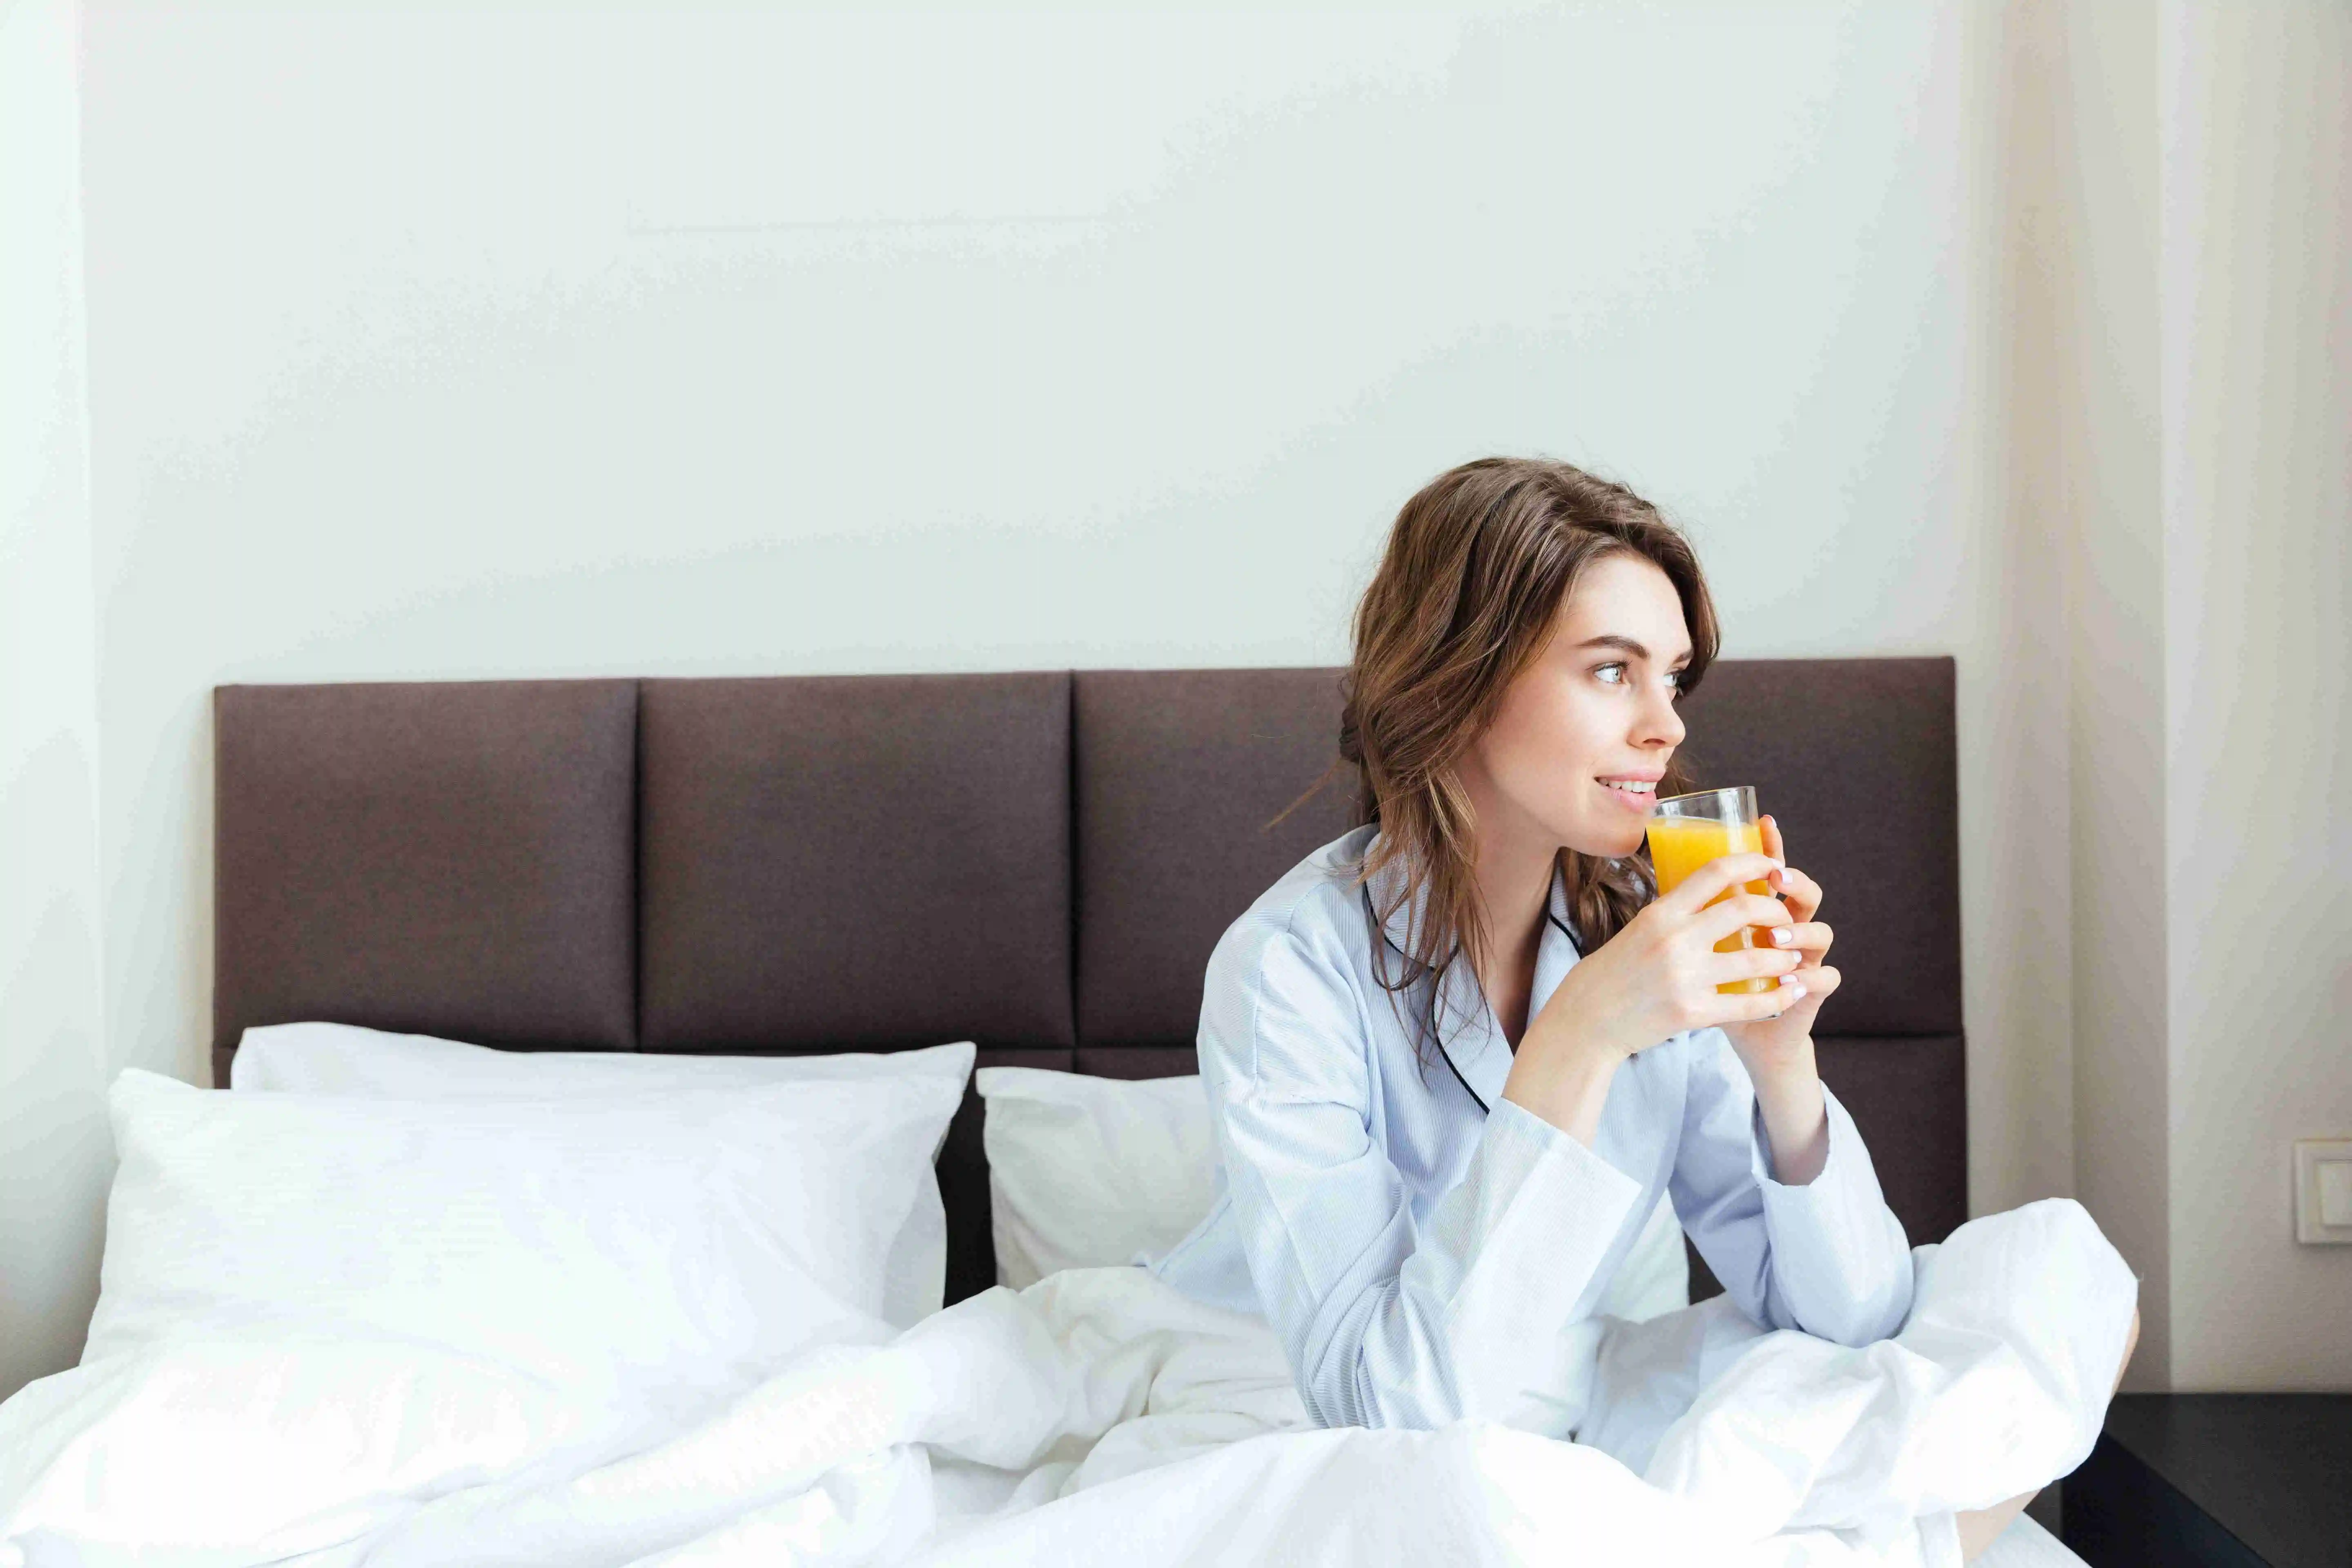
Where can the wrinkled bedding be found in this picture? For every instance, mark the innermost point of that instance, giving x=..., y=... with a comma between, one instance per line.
x=1095, y=1413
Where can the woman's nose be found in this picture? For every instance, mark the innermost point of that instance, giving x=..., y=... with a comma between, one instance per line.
x=1660, y=723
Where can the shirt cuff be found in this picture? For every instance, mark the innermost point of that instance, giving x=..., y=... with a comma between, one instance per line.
x=1843, y=1136
x=1540, y=1156
x=1529, y=1221
x=1537, y=1204
x=1838, y=1252
x=1846, y=1179
x=1545, y=1210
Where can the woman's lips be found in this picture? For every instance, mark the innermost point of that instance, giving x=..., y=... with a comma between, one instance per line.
x=1637, y=800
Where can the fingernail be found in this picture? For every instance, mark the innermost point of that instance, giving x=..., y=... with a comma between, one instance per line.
x=1792, y=987
x=1782, y=936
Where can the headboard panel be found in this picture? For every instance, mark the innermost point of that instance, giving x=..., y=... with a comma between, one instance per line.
x=445, y=859
x=1037, y=861
x=1180, y=775
x=854, y=863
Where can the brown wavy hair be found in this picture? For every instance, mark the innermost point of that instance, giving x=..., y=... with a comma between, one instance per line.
x=1477, y=565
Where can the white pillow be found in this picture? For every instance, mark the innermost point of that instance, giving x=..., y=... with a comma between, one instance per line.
x=343, y=1058
x=652, y=1248
x=1086, y=1173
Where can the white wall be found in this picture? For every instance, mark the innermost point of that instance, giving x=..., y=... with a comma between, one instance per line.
x=54, y=1153
x=426, y=344
x=2257, y=401
x=2184, y=248
x=434, y=345
x=2083, y=238
x=526, y=343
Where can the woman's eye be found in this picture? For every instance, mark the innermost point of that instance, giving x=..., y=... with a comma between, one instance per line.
x=1613, y=674
x=1674, y=679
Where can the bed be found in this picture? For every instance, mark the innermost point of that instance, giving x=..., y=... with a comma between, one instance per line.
x=761, y=865
x=1036, y=862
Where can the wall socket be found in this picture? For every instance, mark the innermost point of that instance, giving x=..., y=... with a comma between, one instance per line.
x=2323, y=1191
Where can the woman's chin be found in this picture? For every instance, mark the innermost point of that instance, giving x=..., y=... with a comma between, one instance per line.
x=1606, y=845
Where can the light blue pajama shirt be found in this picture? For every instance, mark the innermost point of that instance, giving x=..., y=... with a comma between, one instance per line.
x=1425, y=1257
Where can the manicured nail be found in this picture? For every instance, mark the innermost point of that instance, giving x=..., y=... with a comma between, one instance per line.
x=1792, y=987
x=1782, y=936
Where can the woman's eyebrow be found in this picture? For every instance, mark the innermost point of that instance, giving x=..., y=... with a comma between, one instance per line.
x=1627, y=645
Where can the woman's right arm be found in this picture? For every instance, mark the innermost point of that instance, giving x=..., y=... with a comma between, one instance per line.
x=1387, y=1323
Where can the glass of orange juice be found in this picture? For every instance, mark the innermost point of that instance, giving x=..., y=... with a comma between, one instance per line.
x=1687, y=831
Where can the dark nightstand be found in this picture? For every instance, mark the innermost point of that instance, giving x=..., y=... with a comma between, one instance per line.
x=2230, y=1480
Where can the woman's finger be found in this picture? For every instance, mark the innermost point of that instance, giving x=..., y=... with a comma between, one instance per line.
x=1719, y=920
x=1818, y=983
x=1804, y=894
x=1798, y=998
x=1755, y=1006
x=1717, y=876
x=1750, y=964
x=1808, y=937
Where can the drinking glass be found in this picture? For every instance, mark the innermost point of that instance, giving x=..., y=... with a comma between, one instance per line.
x=1687, y=831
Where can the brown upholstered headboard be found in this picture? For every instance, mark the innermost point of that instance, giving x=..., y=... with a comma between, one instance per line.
x=1038, y=862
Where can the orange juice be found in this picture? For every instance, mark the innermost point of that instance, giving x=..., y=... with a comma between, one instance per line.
x=1681, y=845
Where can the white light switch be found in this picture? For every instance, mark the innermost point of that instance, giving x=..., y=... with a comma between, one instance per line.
x=2336, y=1192
x=2323, y=1191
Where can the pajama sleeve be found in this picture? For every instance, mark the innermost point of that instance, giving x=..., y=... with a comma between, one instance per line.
x=1828, y=1257
x=1387, y=1322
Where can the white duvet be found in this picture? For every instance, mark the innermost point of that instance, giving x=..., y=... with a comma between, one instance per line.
x=1096, y=1415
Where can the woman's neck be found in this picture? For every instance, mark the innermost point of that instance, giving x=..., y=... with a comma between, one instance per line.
x=1513, y=886
x=1514, y=871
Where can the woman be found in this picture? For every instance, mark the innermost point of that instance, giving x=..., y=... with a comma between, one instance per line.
x=1455, y=1057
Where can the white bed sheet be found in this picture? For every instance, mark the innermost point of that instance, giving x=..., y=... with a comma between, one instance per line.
x=1099, y=1415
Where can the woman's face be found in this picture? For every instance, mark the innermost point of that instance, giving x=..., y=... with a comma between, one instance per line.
x=1583, y=734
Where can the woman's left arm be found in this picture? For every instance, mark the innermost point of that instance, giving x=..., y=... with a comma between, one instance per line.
x=1772, y=1178
x=1779, y=1052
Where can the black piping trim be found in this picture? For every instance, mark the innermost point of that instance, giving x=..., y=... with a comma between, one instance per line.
x=1364, y=890
x=1484, y=1110
x=1564, y=930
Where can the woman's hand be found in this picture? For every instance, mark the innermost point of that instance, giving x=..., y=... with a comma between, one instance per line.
x=1655, y=979
x=1776, y=1046
x=1779, y=1052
